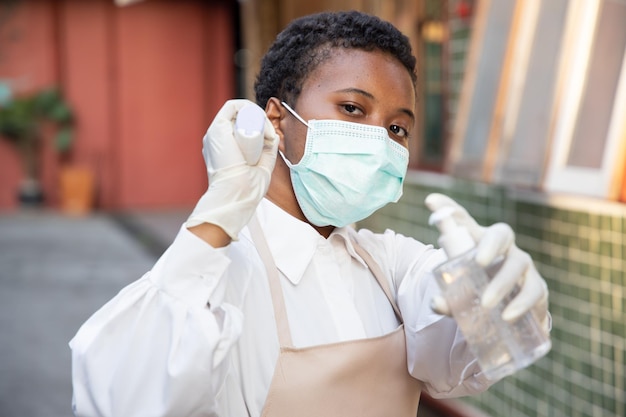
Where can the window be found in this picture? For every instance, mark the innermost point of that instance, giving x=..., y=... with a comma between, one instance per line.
x=590, y=129
x=525, y=128
x=544, y=97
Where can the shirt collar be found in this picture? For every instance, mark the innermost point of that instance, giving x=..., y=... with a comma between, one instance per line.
x=349, y=236
x=293, y=242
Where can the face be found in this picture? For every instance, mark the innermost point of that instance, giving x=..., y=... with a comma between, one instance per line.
x=352, y=85
x=357, y=86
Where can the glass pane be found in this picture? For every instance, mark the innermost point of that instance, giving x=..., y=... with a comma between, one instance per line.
x=487, y=79
x=432, y=31
x=594, y=116
x=524, y=162
x=432, y=151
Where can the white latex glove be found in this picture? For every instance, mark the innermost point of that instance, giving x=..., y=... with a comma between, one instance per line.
x=516, y=268
x=235, y=188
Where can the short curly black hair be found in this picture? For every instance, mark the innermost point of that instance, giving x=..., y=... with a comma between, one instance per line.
x=308, y=41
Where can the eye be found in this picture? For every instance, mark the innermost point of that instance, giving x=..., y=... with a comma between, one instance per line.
x=399, y=131
x=351, y=109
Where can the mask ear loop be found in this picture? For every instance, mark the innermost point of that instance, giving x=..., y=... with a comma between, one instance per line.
x=297, y=116
x=293, y=112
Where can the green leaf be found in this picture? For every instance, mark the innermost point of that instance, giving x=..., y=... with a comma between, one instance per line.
x=63, y=140
x=60, y=113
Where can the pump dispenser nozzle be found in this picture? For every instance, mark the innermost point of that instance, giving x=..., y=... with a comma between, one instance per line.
x=454, y=239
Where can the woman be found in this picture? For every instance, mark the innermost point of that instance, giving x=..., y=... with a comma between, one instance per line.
x=268, y=303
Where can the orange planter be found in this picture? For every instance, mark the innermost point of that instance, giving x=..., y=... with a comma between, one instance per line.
x=77, y=186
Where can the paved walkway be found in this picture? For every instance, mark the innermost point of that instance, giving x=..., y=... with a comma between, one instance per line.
x=55, y=271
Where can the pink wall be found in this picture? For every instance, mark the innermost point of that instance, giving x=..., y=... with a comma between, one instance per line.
x=144, y=80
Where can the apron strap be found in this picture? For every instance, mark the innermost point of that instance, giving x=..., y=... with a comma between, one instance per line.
x=278, y=301
x=380, y=277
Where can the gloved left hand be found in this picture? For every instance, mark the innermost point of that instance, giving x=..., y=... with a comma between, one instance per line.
x=516, y=269
x=235, y=187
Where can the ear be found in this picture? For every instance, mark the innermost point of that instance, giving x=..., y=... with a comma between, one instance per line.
x=276, y=113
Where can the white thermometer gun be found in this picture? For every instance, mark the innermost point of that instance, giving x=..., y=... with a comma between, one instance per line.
x=249, y=127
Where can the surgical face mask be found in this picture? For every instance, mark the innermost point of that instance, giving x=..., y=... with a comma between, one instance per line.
x=348, y=171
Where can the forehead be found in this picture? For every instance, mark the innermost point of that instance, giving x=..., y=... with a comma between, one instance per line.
x=377, y=72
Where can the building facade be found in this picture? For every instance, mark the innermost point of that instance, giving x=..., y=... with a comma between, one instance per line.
x=144, y=82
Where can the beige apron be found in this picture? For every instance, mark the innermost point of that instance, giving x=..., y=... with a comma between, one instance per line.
x=358, y=378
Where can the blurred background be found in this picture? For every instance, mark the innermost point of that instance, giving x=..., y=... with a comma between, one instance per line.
x=521, y=118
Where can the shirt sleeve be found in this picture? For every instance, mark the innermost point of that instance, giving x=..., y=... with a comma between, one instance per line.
x=437, y=353
x=159, y=346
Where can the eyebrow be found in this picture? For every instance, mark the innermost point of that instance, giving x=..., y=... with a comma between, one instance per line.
x=370, y=96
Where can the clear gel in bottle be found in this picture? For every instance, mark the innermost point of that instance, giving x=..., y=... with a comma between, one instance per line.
x=500, y=347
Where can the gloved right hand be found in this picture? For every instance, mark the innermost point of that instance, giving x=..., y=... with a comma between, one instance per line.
x=516, y=270
x=235, y=188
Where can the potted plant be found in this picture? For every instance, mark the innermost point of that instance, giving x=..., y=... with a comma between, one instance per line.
x=22, y=121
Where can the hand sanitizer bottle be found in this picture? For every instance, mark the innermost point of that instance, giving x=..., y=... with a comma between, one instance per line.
x=500, y=347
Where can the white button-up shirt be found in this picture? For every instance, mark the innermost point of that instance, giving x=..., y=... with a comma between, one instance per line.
x=196, y=335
